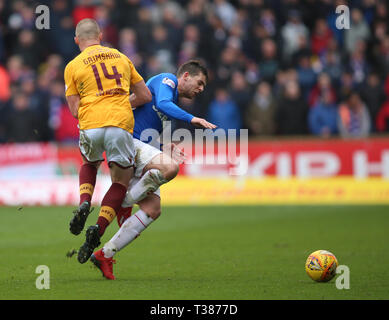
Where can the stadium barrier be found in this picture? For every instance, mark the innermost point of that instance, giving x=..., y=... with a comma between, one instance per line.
x=297, y=171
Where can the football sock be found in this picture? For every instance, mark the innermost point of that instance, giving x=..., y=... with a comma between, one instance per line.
x=123, y=214
x=110, y=205
x=149, y=182
x=128, y=232
x=87, y=181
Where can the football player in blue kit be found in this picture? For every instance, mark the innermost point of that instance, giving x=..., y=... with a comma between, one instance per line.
x=152, y=166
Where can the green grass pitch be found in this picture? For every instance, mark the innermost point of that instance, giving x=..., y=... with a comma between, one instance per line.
x=201, y=253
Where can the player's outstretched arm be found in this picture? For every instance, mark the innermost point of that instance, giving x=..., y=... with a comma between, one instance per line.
x=202, y=123
x=175, y=112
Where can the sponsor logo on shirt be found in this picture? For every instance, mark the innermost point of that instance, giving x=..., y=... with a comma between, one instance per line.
x=169, y=82
x=162, y=116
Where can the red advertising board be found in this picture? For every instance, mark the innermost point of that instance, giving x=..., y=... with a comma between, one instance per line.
x=282, y=159
x=263, y=172
x=301, y=158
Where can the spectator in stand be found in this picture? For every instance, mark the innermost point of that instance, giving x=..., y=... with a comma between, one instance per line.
x=160, y=47
x=189, y=44
x=228, y=63
x=21, y=18
x=17, y=69
x=3, y=12
x=158, y=7
x=128, y=13
x=59, y=10
x=332, y=65
x=306, y=75
x=382, y=119
x=346, y=86
x=128, y=44
x=322, y=86
x=269, y=63
x=359, y=30
x=358, y=64
x=240, y=91
x=224, y=112
x=368, y=7
x=102, y=15
x=291, y=32
x=302, y=49
x=143, y=29
x=257, y=35
x=282, y=78
x=196, y=13
x=60, y=36
x=320, y=37
x=215, y=40
x=381, y=56
x=174, y=26
x=260, y=114
x=22, y=122
x=381, y=11
x=28, y=48
x=372, y=93
x=67, y=130
x=322, y=118
x=226, y=12
x=62, y=39
x=52, y=67
x=56, y=103
x=269, y=22
x=292, y=110
x=38, y=104
x=252, y=73
x=353, y=117
x=236, y=38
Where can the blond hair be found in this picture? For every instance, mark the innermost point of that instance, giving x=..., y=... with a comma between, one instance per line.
x=87, y=29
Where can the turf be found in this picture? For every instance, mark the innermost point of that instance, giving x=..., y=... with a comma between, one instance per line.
x=201, y=253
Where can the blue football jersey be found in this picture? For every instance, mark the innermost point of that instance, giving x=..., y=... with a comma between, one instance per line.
x=162, y=107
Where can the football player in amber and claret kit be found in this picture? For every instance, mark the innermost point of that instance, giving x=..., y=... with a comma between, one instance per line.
x=98, y=85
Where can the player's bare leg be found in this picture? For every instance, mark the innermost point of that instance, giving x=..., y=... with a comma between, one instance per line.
x=110, y=204
x=151, y=205
x=87, y=181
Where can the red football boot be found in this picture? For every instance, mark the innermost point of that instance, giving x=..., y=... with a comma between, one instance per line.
x=103, y=263
x=123, y=215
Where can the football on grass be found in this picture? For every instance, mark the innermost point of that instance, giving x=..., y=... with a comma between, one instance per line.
x=321, y=265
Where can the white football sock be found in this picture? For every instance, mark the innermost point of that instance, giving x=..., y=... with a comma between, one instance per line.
x=130, y=230
x=149, y=182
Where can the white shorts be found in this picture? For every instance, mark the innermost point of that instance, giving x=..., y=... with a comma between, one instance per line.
x=117, y=143
x=144, y=153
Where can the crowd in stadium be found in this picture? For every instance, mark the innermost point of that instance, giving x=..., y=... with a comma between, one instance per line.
x=278, y=67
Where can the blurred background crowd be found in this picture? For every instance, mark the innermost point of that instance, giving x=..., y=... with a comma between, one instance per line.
x=277, y=67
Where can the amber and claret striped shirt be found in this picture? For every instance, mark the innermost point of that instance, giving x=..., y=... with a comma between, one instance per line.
x=102, y=77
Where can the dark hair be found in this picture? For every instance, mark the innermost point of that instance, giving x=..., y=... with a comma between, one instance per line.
x=193, y=67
